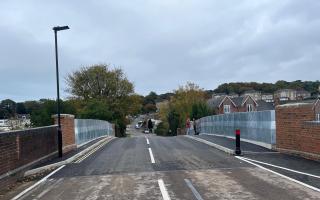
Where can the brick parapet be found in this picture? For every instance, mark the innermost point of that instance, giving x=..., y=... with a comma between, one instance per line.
x=296, y=130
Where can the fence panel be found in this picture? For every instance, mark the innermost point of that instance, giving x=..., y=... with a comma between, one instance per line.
x=254, y=126
x=89, y=129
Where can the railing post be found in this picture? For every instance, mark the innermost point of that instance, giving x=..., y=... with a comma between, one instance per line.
x=238, y=150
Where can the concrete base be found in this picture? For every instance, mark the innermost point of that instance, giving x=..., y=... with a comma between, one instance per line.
x=307, y=155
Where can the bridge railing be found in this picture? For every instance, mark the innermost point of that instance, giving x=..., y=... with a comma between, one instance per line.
x=256, y=127
x=89, y=129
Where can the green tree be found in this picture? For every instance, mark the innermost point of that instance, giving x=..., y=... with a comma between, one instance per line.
x=100, y=82
x=187, y=101
x=42, y=115
x=174, y=121
x=95, y=109
x=8, y=108
x=107, y=93
x=21, y=109
x=199, y=110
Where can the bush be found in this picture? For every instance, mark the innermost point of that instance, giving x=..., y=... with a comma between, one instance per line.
x=162, y=129
x=174, y=120
x=200, y=109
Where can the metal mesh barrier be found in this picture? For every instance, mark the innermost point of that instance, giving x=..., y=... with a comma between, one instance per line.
x=256, y=126
x=89, y=129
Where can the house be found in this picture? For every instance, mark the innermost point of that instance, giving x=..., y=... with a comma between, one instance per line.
x=256, y=95
x=4, y=126
x=228, y=104
x=285, y=94
x=302, y=94
x=264, y=105
x=267, y=97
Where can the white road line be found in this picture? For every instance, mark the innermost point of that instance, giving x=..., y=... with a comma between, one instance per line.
x=148, y=141
x=49, y=188
x=276, y=166
x=37, y=183
x=163, y=190
x=193, y=190
x=283, y=176
x=151, y=155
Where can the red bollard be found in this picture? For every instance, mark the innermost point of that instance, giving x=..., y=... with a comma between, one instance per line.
x=238, y=150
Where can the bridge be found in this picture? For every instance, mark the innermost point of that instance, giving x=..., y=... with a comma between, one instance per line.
x=146, y=166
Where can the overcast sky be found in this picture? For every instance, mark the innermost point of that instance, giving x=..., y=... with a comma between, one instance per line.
x=160, y=44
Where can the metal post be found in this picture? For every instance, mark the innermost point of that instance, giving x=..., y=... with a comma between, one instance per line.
x=238, y=150
x=58, y=96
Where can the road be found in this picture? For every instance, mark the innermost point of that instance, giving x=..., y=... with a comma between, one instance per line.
x=182, y=169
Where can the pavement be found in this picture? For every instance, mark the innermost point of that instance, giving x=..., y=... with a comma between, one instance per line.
x=273, y=160
x=152, y=167
x=246, y=148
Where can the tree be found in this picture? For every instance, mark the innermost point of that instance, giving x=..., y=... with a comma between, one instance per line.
x=199, y=110
x=21, y=109
x=95, y=109
x=106, y=94
x=149, y=108
x=134, y=104
x=174, y=121
x=8, y=108
x=149, y=103
x=31, y=106
x=100, y=82
x=187, y=101
x=42, y=111
x=151, y=98
x=42, y=115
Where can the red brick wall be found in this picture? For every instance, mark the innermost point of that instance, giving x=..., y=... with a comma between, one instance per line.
x=22, y=147
x=18, y=148
x=295, y=133
x=68, y=132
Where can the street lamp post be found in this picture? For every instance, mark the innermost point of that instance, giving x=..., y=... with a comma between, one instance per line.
x=56, y=29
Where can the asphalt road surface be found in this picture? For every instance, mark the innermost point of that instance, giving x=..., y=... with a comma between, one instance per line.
x=152, y=167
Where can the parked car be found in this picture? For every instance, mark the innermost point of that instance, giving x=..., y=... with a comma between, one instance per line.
x=139, y=124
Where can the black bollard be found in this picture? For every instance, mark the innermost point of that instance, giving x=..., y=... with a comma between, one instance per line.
x=238, y=150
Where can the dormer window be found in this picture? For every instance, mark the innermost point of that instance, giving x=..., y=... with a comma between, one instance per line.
x=226, y=108
x=318, y=117
x=249, y=107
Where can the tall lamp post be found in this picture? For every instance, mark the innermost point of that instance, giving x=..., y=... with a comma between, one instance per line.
x=56, y=29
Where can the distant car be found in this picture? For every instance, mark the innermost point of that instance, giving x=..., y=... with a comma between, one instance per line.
x=139, y=124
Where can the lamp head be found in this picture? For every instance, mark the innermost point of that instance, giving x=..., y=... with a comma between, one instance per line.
x=60, y=28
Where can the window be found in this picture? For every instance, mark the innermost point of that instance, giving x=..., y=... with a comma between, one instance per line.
x=318, y=117
x=249, y=108
x=226, y=109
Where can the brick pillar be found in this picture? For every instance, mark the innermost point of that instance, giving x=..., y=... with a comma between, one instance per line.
x=68, y=132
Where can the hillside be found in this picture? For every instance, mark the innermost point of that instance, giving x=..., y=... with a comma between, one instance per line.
x=240, y=87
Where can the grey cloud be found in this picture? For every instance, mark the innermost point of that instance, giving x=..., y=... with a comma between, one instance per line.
x=160, y=44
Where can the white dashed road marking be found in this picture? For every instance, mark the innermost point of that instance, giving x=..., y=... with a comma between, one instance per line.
x=193, y=190
x=163, y=190
x=151, y=155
